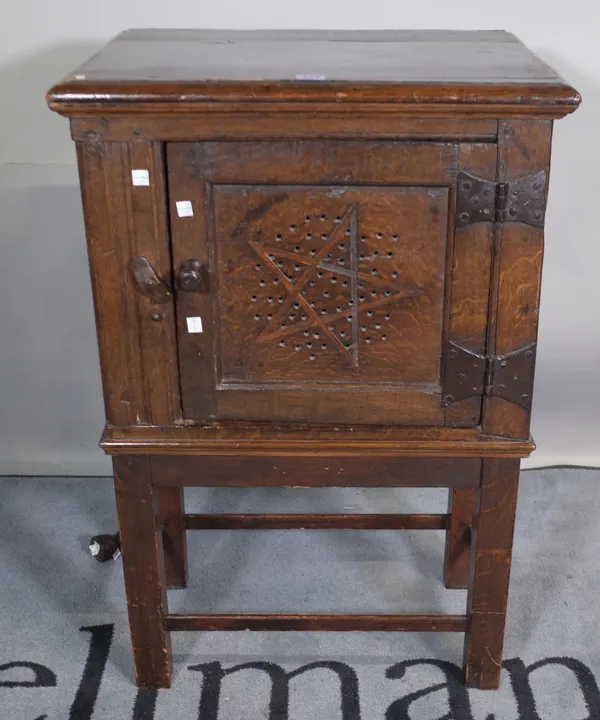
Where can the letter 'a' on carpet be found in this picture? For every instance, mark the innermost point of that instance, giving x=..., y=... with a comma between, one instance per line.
x=65, y=652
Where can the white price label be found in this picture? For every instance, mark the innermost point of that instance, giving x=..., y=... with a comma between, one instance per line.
x=140, y=177
x=194, y=324
x=184, y=208
x=314, y=78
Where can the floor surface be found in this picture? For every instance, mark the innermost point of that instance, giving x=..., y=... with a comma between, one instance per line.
x=64, y=645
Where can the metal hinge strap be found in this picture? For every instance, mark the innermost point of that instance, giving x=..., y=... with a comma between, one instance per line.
x=511, y=376
x=481, y=200
x=501, y=202
x=468, y=374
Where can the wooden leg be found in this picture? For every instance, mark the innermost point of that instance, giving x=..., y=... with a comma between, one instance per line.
x=457, y=558
x=490, y=572
x=174, y=537
x=141, y=545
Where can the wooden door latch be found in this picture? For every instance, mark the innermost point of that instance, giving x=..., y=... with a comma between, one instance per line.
x=148, y=282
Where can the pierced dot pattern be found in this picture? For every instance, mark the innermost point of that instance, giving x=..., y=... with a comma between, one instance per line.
x=330, y=295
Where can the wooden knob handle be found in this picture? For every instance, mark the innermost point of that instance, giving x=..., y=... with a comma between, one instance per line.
x=191, y=276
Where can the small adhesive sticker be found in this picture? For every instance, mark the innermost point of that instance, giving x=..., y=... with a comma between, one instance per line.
x=314, y=78
x=194, y=324
x=140, y=177
x=184, y=208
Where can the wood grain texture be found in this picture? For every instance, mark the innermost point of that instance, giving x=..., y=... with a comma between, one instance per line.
x=249, y=124
x=359, y=162
x=469, y=268
x=271, y=272
x=265, y=471
x=457, y=553
x=149, y=237
x=171, y=504
x=298, y=521
x=339, y=623
x=554, y=103
x=371, y=154
x=289, y=439
x=137, y=353
x=189, y=240
x=490, y=572
x=359, y=290
x=524, y=148
x=413, y=72
x=141, y=546
x=346, y=405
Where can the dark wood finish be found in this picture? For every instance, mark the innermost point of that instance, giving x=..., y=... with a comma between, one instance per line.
x=148, y=282
x=174, y=525
x=138, y=354
x=251, y=125
x=248, y=439
x=523, y=148
x=339, y=623
x=318, y=288
x=316, y=522
x=457, y=554
x=469, y=265
x=490, y=572
x=141, y=546
x=445, y=72
x=265, y=471
x=390, y=183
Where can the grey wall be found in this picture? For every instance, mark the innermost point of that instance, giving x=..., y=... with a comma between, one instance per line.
x=50, y=402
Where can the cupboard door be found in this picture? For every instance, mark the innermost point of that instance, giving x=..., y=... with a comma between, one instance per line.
x=312, y=279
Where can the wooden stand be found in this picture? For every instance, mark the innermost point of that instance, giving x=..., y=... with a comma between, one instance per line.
x=323, y=277
x=153, y=523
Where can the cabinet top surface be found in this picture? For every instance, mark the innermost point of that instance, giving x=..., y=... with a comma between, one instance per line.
x=436, y=66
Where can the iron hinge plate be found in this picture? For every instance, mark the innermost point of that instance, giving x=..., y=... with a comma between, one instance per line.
x=464, y=374
x=468, y=374
x=480, y=200
x=511, y=376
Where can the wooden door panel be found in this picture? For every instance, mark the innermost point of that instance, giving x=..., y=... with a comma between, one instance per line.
x=325, y=162
x=347, y=405
x=329, y=284
x=327, y=296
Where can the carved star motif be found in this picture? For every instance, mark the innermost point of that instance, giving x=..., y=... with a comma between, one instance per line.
x=279, y=326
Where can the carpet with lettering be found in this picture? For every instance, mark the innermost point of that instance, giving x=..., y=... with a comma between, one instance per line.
x=64, y=643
